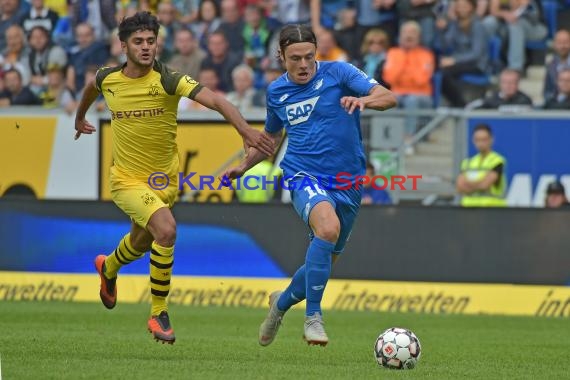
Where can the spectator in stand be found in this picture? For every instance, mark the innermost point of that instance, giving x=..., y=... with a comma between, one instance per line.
x=446, y=6
x=168, y=24
x=561, y=100
x=162, y=54
x=326, y=13
x=465, y=47
x=187, y=10
x=189, y=55
x=373, y=51
x=422, y=12
x=292, y=12
x=15, y=93
x=57, y=94
x=15, y=54
x=10, y=14
x=115, y=47
x=87, y=51
x=39, y=15
x=90, y=72
x=208, y=77
x=519, y=21
x=556, y=196
x=270, y=74
x=148, y=5
x=232, y=25
x=370, y=195
x=509, y=95
x=221, y=59
x=99, y=14
x=208, y=21
x=256, y=36
x=376, y=14
x=42, y=54
x=408, y=71
x=327, y=48
x=244, y=95
x=347, y=33
x=58, y=6
x=559, y=62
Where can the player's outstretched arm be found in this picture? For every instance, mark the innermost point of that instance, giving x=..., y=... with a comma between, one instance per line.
x=379, y=98
x=253, y=157
x=251, y=136
x=90, y=94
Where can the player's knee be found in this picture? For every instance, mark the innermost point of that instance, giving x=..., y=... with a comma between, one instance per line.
x=166, y=234
x=329, y=231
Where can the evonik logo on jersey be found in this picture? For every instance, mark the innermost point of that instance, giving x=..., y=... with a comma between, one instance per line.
x=300, y=112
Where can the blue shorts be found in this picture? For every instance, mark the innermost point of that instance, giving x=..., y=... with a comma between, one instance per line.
x=306, y=193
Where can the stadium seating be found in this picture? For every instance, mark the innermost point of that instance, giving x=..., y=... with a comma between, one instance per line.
x=484, y=80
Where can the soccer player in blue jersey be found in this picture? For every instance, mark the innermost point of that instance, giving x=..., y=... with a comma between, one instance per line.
x=318, y=103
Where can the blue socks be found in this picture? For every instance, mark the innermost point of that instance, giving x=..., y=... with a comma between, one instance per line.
x=310, y=279
x=295, y=292
x=317, y=272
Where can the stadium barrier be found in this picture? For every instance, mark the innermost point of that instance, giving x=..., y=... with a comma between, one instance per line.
x=375, y=296
x=443, y=244
x=38, y=153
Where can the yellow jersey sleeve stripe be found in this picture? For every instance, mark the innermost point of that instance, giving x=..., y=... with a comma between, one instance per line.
x=102, y=73
x=195, y=91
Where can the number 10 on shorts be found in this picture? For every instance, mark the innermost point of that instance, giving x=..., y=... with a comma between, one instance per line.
x=309, y=190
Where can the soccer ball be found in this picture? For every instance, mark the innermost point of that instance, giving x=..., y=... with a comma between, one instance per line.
x=397, y=348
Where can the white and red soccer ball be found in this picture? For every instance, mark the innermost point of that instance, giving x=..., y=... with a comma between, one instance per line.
x=397, y=348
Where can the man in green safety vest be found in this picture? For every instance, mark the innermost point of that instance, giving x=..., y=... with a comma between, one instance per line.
x=258, y=184
x=482, y=181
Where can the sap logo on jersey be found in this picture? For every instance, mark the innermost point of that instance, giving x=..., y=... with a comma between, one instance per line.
x=300, y=112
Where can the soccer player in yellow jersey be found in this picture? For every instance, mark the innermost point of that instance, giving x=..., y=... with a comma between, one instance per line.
x=143, y=96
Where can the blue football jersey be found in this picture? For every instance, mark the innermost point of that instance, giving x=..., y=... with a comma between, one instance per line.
x=324, y=139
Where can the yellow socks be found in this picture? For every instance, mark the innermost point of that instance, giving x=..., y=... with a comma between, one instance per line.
x=122, y=255
x=161, y=260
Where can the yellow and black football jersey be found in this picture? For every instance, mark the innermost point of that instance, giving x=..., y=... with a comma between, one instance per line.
x=143, y=117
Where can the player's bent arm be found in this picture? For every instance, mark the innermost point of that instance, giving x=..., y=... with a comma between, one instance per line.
x=380, y=99
x=90, y=94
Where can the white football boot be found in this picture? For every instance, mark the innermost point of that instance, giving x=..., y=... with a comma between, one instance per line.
x=270, y=326
x=315, y=330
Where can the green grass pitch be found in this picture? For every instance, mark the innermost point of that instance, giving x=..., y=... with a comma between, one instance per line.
x=86, y=341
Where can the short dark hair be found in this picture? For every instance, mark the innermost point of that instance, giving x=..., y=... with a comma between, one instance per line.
x=13, y=70
x=216, y=9
x=41, y=29
x=138, y=22
x=292, y=34
x=483, y=127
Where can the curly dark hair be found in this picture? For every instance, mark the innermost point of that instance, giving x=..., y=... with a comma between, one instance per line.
x=138, y=22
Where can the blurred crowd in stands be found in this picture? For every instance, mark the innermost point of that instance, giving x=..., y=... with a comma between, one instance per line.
x=420, y=49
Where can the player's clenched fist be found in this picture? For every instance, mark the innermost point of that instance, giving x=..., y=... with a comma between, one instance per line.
x=350, y=103
x=83, y=126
